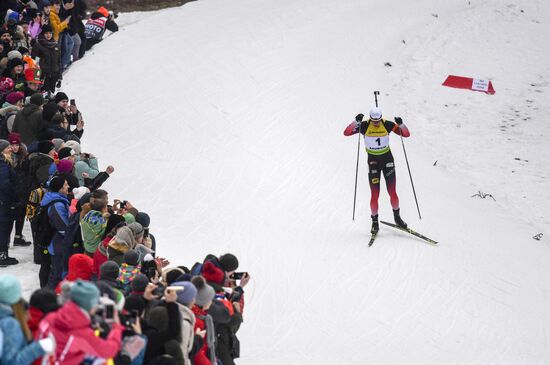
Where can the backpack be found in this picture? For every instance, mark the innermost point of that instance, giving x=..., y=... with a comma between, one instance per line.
x=43, y=229
x=35, y=198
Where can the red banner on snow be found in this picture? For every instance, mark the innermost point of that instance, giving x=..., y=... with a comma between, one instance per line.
x=469, y=83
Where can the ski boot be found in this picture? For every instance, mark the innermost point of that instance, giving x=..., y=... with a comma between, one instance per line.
x=375, y=227
x=5, y=260
x=21, y=241
x=397, y=218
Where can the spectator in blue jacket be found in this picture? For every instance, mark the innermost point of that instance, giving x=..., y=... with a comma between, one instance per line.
x=58, y=214
x=9, y=201
x=17, y=347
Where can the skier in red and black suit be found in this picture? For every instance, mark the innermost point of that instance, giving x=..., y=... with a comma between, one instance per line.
x=376, y=132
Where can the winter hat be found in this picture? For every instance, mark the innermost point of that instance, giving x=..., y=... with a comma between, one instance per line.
x=143, y=219
x=112, y=222
x=60, y=96
x=56, y=183
x=32, y=75
x=65, y=166
x=49, y=110
x=131, y=257
x=14, y=138
x=229, y=262
x=143, y=251
x=375, y=114
x=172, y=275
x=14, y=54
x=137, y=229
x=125, y=236
x=81, y=266
x=85, y=294
x=212, y=273
x=129, y=218
x=14, y=97
x=3, y=145
x=109, y=270
x=65, y=152
x=58, y=144
x=205, y=293
x=47, y=28
x=139, y=283
x=80, y=191
x=188, y=293
x=15, y=62
x=13, y=16
x=135, y=302
x=45, y=147
x=74, y=145
x=22, y=49
x=37, y=99
x=103, y=11
x=10, y=289
x=45, y=300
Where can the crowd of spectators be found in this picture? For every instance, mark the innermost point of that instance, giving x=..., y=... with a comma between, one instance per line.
x=105, y=296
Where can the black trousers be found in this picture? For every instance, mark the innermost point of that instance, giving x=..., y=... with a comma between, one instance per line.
x=5, y=233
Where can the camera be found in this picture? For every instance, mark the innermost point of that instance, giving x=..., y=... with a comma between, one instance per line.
x=238, y=275
x=123, y=204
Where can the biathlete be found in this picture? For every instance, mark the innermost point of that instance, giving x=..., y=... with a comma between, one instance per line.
x=376, y=132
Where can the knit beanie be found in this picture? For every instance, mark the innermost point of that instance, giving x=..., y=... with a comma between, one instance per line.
x=205, y=293
x=37, y=99
x=85, y=294
x=45, y=147
x=14, y=138
x=60, y=96
x=229, y=262
x=14, y=54
x=15, y=62
x=45, y=300
x=58, y=144
x=143, y=219
x=79, y=192
x=129, y=218
x=47, y=28
x=109, y=270
x=139, y=283
x=125, y=236
x=49, y=110
x=188, y=293
x=3, y=145
x=75, y=146
x=135, y=302
x=10, y=289
x=14, y=97
x=131, y=257
x=137, y=229
x=172, y=275
x=65, y=167
x=56, y=183
x=112, y=222
x=65, y=152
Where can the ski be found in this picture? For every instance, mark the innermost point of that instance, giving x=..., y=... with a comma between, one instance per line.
x=372, y=238
x=414, y=233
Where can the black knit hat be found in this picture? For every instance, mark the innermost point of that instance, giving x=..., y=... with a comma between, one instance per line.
x=49, y=110
x=65, y=152
x=109, y=270
x=139, y=283
x=131, y=257
x=47, y=29
x=37, y=99
x=45, y=147
x=45, y=300
x=60, y=96
x=229, y=262
x=113, y=221
x=56, y=183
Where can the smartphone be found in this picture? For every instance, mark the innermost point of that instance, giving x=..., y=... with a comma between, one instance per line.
x=151, y=272
x=109, y=312
x=175, y=288
x=73, y=102
x=238, y=275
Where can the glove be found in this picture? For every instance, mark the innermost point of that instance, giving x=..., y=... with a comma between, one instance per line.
x=47, y=344
x=398, y=121
x=359, y=118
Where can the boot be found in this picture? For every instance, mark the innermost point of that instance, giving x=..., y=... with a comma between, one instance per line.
x=21, y=241
x=397, y=218
x=5, y=260
x=375, y=227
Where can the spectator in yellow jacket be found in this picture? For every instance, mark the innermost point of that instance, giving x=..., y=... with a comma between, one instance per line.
x=58, y=26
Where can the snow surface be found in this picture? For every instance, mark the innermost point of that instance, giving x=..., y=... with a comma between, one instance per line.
x=224, y=121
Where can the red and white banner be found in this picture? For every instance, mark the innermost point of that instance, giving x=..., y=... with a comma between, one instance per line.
x=469, y=83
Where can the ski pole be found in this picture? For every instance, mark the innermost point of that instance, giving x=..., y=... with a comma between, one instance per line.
x=375, y=98
x=356, y=173
x=412, y=183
